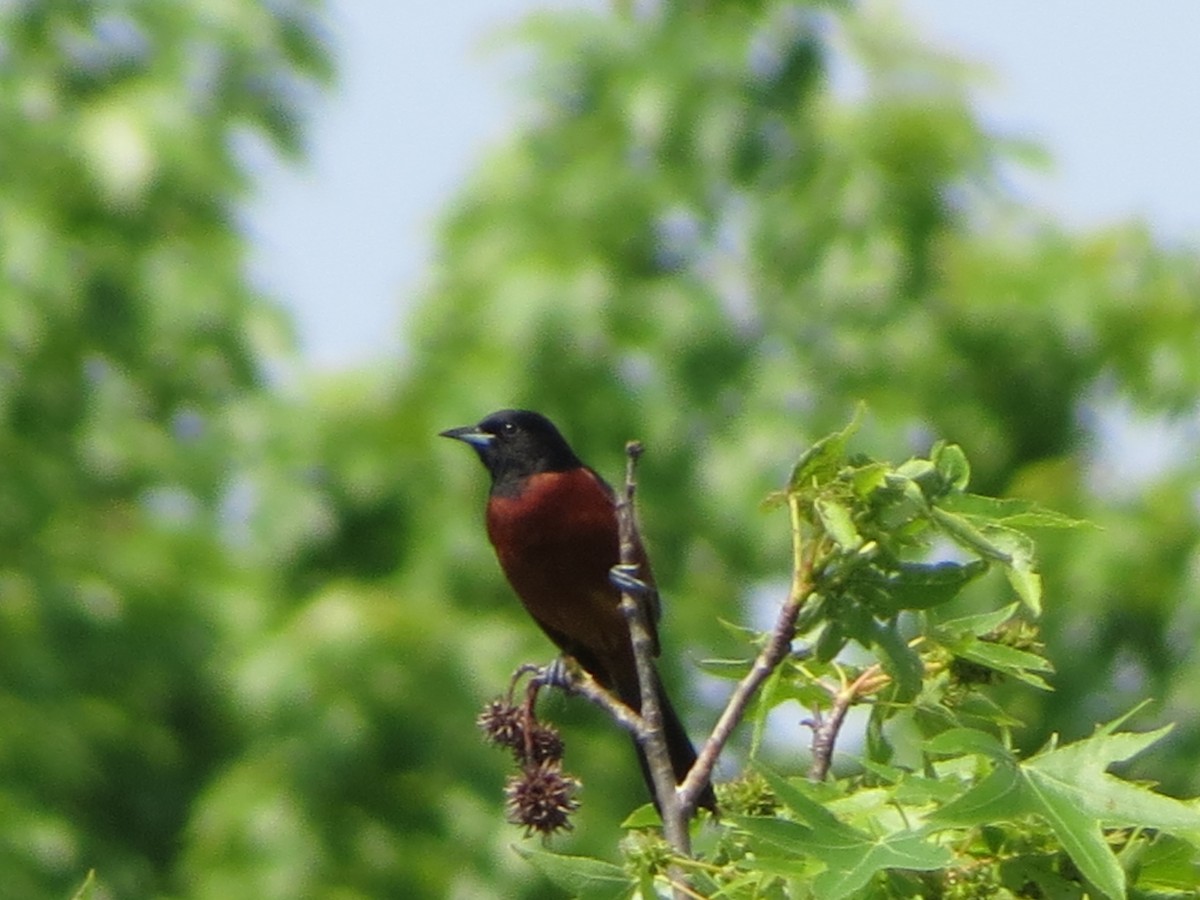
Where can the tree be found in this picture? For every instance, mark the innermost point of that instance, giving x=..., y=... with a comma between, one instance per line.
x=130, y=347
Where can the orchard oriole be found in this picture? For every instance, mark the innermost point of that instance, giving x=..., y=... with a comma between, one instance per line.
x=553, y=523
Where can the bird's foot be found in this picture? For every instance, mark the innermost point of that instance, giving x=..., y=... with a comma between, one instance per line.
x=557, y=674
x=624, y=577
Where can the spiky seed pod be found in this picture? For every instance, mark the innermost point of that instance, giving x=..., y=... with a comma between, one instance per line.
x=501, y=723
x=546, y=745
x=541, y=798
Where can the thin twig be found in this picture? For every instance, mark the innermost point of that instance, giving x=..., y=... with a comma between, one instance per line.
x=771, y=655
x=527, y=717
x=581, y=683
x=682, y=888
x=568, y=676
x=826, y=728
x=652, y=738
x=538, y=672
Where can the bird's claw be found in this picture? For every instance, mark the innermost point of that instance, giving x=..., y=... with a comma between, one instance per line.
x=556, y=674
x=624, y=577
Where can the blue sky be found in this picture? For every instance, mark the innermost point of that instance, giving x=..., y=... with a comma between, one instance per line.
x=1109, y=89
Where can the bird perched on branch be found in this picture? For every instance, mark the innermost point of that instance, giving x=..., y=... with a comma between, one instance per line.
x=553, y=524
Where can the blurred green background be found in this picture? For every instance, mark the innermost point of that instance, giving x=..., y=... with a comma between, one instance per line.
x=247, y=616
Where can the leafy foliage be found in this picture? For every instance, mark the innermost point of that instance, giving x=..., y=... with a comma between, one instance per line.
x=940, y=804
x=131, y=354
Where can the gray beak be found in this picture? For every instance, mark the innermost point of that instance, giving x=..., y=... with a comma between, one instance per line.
x=469, y=434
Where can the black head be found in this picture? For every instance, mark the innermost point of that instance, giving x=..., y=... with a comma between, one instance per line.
x=517, y=443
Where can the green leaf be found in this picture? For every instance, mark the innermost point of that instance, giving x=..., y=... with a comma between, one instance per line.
x=581, y=876
x=996, y=798
x=850, y=868
x=729, y=669
x=1111, y=727
x=87, y=888
x=986, y=711
x=838, y=524
x=917, y=470
x=1081, y=838
x=802, y=868
x=743, y=634
x=1021, y=568
x=883, y=772
x=851, y=857
x=645, y=816
x=1019, y=664
x=917, y=790
x=899, y=660
x=830, y=642
x=1070, y=789
x=824, y=458
x=879, y=746
x=916, y=585
x=1168, y=864
x=791, y=837
x=1078, y=772
x=1018, y=873
x=1012, y=549
x=869, y=478
x=1027, y=583
x=799, y=683
x=951, y=463
x=965, y=533
x=814, y=611
x=962, y=741
x=802, y=805
x=765, y=701
x=978, y=624
x=900, y=502
x=1012, y=512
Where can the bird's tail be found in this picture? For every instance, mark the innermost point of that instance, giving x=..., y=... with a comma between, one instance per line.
x=679, y=747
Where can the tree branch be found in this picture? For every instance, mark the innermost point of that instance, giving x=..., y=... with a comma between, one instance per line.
x=771, y=655
x=826, y=728
x=652, y=738
x=582, y=683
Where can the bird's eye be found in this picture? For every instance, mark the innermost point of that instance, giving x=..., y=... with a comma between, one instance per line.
x=508, y=429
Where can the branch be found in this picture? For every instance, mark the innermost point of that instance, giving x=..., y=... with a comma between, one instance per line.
x=652, y=737
x=578, y=681
x=771, y=655
x=826, y=729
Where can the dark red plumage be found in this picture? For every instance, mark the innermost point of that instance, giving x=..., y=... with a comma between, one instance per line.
x=553, y=524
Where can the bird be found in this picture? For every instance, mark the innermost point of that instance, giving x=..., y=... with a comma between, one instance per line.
x=552, y=521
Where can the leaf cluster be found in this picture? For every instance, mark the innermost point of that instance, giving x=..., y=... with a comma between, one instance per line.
x=936, y=802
